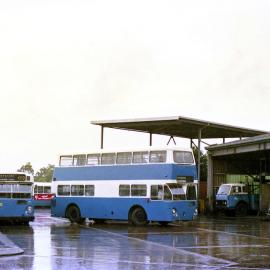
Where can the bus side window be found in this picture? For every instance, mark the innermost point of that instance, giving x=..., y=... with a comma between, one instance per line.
x=93, y=159
x=47, y=189
x=79, y=160
x=65, y=161
x=108, y=158
x=157, y=156
x=39, y=189
x=77, y=190
x=124, y=158
x=138, y=190
x=124, y=190
x=63, y=190
x=140, y=157
x=167, y=193
x=156, y=192
x=36, y=189
x=89, y=190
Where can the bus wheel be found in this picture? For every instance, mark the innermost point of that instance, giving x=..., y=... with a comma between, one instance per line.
x=241, y=210
x=74, y=214
x=138, y=217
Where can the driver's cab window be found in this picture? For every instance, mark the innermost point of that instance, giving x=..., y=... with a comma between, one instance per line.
x=236, y=189
x=167, y=193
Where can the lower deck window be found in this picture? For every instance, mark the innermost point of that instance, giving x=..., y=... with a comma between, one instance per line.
x=124, y=190
x=89, y=190
x=138, y=190
x=63, y=190
x=77, y=190
x=156, y=192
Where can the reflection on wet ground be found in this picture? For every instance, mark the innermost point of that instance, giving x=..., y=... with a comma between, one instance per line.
x=224, y=243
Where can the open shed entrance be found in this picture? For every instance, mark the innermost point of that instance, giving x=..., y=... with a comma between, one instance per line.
x=246, y=162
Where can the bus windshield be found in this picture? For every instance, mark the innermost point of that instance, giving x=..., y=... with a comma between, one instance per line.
x=177, y=191
x=15, y=191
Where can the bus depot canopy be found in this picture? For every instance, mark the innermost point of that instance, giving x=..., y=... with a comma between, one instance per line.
x=179, y=126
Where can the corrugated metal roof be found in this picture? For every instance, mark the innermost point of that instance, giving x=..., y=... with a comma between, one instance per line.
x=248, y=141
x=179, y=126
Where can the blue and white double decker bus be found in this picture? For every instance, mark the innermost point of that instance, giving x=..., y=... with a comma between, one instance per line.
x=16, y=202
x=152, y=184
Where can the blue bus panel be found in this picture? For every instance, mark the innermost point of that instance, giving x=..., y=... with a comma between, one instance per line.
x=125, y=172
x=16, y=209
x=118, y=208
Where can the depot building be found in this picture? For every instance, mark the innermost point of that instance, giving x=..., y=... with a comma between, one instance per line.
x=245, y=161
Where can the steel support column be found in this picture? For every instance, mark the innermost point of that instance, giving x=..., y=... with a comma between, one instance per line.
x=210, y=190
x=102, y=134
x=199, y=160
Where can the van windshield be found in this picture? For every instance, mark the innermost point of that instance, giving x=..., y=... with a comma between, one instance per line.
x=224, y=190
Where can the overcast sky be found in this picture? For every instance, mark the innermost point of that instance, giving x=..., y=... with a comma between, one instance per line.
x=66, y=63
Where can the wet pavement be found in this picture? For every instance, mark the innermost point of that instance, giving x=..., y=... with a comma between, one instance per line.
x=223, y=243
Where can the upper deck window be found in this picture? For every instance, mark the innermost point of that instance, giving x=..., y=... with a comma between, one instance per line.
x=108, y=158
x=124, y=158
x=183, y=157
x=65, y=161
x=79, y=160
x=140, y=157
x=93, y=159
x=157, y=156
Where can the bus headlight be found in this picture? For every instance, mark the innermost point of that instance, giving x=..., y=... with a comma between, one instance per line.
x=174, y=212
x=195, y=212
x=29, y=209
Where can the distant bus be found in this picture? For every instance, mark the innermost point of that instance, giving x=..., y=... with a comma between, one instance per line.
x=141, y=186
x=42, y=194
x=16, y=191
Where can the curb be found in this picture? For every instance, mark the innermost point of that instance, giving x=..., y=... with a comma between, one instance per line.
x=8, y=248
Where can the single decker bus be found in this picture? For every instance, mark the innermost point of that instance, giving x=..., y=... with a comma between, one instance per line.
x=141, y=186
x=16, y=203
x=42, y=194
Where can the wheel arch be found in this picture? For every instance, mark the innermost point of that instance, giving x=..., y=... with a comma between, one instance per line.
x=69, y=205
x=242, y=202
x=134, y=207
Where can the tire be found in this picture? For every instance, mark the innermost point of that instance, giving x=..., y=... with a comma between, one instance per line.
x=241, y=210
x=138, y=217
x=74, y=214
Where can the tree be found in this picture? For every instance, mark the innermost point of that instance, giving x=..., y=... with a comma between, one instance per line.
x=26, y=168
x=204, y=163
x=44, y=174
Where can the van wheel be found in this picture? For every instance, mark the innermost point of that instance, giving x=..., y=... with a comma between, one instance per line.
x=74, y=214
x=138, y=217
x=241, y=210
